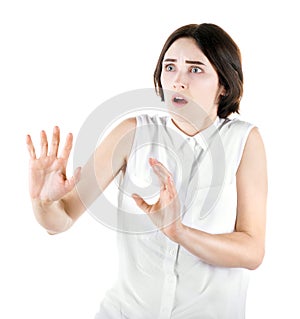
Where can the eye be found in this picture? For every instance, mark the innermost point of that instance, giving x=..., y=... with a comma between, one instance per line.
x=196, y=69
x=169, y=67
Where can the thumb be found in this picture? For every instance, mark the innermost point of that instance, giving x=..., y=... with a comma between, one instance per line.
x=73, y=180
x=141, y=203
x=77, y=174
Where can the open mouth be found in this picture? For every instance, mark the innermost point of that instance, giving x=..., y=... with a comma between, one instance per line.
x=179, y=100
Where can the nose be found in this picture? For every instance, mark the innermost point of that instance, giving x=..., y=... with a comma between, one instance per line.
x=179, y=82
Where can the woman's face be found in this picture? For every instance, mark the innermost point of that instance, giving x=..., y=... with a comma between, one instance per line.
x=190, y=83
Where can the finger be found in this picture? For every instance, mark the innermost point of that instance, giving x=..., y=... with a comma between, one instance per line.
x=162, y=169
x=44, y=144
x=153, y=161
x=69, y=184
x=55, y=141
x=77, y=174
x=166, y=179
x=141, y=203
x=162, y=173
x=67, y=148
x=171, y=186
x=30, y=147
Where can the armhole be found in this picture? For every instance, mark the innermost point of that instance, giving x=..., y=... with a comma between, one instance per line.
x=139, y=122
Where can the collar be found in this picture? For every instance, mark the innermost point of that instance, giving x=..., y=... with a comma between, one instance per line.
x=203, y=137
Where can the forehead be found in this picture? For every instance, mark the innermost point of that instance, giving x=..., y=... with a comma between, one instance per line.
x=185, y=48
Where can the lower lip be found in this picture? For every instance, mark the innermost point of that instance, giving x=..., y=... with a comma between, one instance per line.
x=179, y=104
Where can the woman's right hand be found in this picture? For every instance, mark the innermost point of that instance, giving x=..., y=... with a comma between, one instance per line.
x=47, y=174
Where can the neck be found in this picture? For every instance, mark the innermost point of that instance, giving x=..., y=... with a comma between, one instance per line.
x=192, y=129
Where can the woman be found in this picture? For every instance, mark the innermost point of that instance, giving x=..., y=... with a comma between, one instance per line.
x=208, y=220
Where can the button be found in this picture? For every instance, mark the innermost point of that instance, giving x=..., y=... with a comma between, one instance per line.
x=197, y=147
x=172, y=251
x=170, y=279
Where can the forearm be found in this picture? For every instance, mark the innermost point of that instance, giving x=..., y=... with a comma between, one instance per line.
x=236, y=249
x=52, y=215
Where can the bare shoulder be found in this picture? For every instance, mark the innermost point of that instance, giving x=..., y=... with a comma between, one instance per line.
x=128, y=123
x=121, y=138
x=125, y=127
x=254, y=155
x=255, y=138
x=252, y=174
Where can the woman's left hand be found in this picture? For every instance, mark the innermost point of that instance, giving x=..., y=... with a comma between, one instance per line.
x=165, y=213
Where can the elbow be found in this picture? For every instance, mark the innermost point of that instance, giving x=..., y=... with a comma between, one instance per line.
x=256, y=260
x=50, y=232
x=55, y=229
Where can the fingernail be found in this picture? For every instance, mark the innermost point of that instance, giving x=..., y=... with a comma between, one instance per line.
x=153, y=160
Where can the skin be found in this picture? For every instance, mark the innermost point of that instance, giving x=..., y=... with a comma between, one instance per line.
x=57, y=206
x=188, y=72
x=57, y=210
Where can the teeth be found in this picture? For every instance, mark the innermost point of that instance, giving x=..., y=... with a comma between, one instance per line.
x=179, y=100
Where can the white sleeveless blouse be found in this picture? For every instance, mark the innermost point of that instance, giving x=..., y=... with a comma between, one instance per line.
x=159, y=279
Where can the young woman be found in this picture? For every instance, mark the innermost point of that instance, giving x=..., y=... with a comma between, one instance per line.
x=208, y=216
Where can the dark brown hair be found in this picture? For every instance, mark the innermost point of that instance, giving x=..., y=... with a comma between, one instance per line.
x=223, y=54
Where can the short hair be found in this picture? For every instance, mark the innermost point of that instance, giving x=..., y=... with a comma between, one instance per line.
x=224, y=55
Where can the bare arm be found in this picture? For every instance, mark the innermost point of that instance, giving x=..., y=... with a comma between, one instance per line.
x=245, y=246
x=55, y=199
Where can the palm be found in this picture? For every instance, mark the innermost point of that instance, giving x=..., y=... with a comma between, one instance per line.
x=165, y=213
x=47, y=178
x=47, y=174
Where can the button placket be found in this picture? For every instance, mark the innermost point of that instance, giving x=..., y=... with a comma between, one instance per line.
x=170, y=281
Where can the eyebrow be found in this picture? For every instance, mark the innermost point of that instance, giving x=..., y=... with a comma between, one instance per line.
x=186, y=61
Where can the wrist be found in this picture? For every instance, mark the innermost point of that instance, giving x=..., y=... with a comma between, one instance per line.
x=177, y=233
x=37, y=202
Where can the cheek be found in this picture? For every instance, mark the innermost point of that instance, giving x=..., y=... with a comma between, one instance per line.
x=165, y=79
x=205, y=95
x=206, y=88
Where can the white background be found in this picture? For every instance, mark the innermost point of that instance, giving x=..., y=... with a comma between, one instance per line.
x=59, y=60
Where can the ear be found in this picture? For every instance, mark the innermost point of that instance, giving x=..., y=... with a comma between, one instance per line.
x=222, y=91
